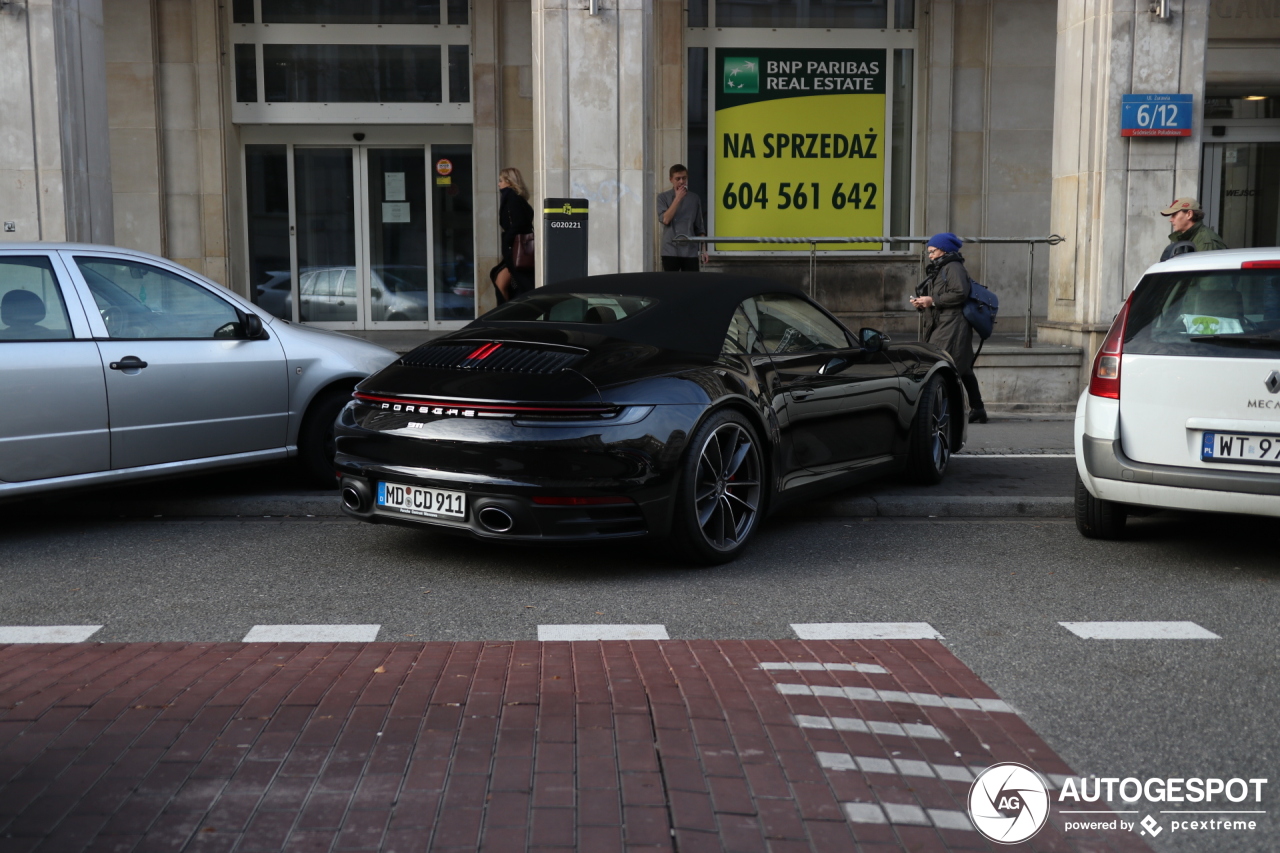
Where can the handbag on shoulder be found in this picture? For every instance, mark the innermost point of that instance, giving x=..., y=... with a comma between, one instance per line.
x=522, y=252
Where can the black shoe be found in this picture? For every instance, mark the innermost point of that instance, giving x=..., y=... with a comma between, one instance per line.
x=978, y=416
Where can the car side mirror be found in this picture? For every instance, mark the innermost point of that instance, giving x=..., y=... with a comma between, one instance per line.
x=252, y=325
x=872, y=341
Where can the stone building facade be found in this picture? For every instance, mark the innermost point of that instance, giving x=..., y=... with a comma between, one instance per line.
x=337, y=161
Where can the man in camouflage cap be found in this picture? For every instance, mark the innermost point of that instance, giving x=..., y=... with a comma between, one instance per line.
x=1187, y=220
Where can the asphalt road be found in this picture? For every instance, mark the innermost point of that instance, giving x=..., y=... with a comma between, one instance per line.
x=995, y=588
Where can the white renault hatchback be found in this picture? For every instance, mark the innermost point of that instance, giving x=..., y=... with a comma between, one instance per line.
x=1183, y=405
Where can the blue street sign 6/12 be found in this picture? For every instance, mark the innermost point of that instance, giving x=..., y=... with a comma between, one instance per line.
x=1155, y=115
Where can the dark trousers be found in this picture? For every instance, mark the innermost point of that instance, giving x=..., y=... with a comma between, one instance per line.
x=971, y=388
x=673, y=264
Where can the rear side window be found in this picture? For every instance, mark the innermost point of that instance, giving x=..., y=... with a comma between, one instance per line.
x=31, y=308
x=1233, y=313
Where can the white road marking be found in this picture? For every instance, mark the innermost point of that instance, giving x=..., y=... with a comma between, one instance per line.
x=905, y=814
x=1139, y=631
x=895, y=766
x=870, y=694
x=312, y=634
x=806, y=666
x=602, y=632
x=47, y=633
x=852, y=724
x=866, y=631
x=864, y=813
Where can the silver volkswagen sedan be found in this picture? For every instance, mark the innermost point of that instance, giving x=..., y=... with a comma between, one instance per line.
x=118, y=365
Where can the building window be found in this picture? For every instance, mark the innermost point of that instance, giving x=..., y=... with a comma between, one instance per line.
x=247, y=73
x=351, y=73
x=346, y=12
x=338, y=62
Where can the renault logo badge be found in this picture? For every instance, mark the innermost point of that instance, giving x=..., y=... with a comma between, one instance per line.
x=1273, y=382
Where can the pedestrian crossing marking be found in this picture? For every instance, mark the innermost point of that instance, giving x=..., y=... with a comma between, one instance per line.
x=895, y=766
x=312, y=634
x=870, y=694
x=854, y=724
x=1139, y=631
x=904, y=813
x=580, y=633
x=811, y=666
x=47, y=633
x=866, y=631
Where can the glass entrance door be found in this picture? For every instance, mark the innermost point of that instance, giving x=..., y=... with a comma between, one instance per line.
x=378, y=237
x=1242, y=192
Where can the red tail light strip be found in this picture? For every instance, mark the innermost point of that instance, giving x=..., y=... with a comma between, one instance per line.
x=1260, y=265
x=1104, y=381
x=452, y=407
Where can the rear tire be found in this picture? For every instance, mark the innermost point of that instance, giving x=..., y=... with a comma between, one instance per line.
x=932, y=433
x=721, y=492
x=1096, y=518
x=315, y=438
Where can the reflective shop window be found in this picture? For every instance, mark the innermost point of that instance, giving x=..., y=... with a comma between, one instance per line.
x=267, y=197
x=453, y=232
x=31, y=308
x=141, y=301
x=351, y=73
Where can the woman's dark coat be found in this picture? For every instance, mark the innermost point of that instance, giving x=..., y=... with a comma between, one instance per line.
x=515, y=216
x=947, y=282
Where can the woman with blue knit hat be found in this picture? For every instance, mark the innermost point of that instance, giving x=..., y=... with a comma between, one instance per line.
x=941, y=296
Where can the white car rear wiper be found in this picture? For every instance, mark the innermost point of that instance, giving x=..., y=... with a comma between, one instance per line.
x=1242, y=339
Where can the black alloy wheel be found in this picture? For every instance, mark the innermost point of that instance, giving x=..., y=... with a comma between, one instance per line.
x=721, y=490
x=1096, y=518
x=932, y=434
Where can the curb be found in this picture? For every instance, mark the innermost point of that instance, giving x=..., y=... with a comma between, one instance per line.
x=888, y=506
x=949, y=506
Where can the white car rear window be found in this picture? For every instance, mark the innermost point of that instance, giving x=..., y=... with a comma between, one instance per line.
x=1219, y=314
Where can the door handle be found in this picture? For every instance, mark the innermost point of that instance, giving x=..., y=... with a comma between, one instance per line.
x=129, y=362
x=801, y=393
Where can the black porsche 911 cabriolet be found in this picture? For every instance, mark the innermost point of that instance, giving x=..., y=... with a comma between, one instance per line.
x=658, y=405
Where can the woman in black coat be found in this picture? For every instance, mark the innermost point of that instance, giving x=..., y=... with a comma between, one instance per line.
x=941, y=296
x=515, y=216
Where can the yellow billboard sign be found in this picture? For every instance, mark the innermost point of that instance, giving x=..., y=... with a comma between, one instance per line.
x=799, y=146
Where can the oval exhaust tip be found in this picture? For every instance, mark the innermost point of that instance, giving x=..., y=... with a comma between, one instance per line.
x=497, y=520
x=351, y=499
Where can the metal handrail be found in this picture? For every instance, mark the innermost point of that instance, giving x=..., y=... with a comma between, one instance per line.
x=1052, y=240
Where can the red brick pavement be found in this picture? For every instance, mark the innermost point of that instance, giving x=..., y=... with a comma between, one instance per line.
x=595, y=746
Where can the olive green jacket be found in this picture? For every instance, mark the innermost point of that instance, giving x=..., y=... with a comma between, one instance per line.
x=1201, y=235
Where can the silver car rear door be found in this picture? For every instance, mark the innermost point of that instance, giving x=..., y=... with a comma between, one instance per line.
x=53, y=422
x=204, y=391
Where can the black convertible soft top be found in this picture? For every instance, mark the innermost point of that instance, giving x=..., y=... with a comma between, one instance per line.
x=692, y=311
